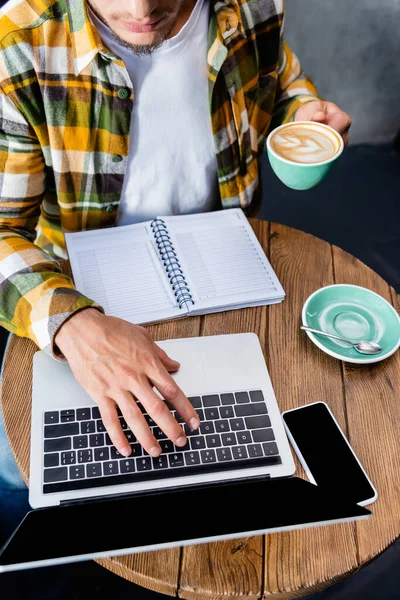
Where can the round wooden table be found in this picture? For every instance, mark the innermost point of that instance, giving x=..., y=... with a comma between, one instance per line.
x=364, y=398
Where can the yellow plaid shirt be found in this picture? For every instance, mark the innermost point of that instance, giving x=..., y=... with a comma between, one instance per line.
x=65, y=109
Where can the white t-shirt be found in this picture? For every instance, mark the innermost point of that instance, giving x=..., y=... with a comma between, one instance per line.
x=171, y=166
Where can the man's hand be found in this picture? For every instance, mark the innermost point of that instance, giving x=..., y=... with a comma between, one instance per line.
x=328, y=113
x=117, y=363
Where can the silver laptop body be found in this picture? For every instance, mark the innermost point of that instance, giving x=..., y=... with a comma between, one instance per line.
x=210, y=365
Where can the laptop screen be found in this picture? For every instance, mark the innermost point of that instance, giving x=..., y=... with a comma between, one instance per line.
x=170, y=518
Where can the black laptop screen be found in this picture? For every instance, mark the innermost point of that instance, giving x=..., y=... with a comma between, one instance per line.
x=170, y=518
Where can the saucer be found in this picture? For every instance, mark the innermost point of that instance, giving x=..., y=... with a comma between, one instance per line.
x=355, y=313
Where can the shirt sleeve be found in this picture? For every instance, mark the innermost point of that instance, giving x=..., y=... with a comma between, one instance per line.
x=294, y=87
x=35, y=297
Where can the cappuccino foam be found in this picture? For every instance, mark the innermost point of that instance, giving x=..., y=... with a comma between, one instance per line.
x=308, y=143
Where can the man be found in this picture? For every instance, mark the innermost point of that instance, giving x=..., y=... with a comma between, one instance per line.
x=112, y=112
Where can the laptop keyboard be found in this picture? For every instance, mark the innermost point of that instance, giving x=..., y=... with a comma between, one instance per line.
x=235, y=432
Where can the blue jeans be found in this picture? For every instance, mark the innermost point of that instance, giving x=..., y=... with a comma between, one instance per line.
x=13, y=490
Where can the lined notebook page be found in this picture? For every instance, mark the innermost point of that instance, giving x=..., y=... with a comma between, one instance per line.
x=119, y=268
x=223, y=261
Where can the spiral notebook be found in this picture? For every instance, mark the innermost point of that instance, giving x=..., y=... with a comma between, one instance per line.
x=174, y=266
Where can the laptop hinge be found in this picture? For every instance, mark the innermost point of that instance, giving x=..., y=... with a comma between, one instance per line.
x=175, y=488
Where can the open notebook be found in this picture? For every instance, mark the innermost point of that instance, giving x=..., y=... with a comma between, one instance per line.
x=173, y=266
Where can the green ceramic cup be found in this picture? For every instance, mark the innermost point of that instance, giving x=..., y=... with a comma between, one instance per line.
x=304, y=175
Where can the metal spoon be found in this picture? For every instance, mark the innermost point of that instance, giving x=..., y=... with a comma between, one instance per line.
x=362, y=347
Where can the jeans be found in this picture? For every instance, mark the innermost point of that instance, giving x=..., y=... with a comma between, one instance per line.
x=13, y=490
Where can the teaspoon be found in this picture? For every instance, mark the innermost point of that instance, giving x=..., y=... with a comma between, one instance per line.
x=363, y=347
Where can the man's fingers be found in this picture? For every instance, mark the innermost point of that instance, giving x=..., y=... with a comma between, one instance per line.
x=319, y=117
x=173, y=394
x=339, y=121
x=169, y=363
x=160, y=413
x=109, y=415
x=137, y=422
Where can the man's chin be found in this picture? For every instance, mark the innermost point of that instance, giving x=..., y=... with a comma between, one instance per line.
x=142, y=43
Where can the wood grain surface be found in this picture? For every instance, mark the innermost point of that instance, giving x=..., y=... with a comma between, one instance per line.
x=364, y=398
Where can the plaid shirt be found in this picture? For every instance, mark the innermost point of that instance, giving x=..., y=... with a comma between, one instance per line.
x=65, y=108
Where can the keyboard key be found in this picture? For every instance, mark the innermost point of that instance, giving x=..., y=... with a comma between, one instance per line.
x=239, y=452
x=270, y=448
x=137, y=449
x=208, y=456
x=255, y=450
x=100, y=426
x=67, y=416
x=93, y=470
x=192, y=458
x=222, y=426
x=96, y=412
x=207, y=427
x=176, y=459
x=108, y=440
x=263, y=435
x=244, y=437
x=258, y=422
x=159, y=434
x=256, y=396
x=123, y=423
x=101, y=454
x=213, y=441
x=127, y=465
x=167, y=446
x=242, y=397
x=195, y=401
x=57, y=445
x=51, y=475
x=248, y=410
x=151, y=422
x=227, y=399
x=224, y=454
x=83, y=414
x=110, y=468
x=68, y=458
x=211, y=413
x=87, y=426
x=236, y=424
x=226, y=412
x=190, y=432
x=85, y=456
x=200, y=414
x=77, y=472
x=56, y=431
x=80, y=441
x=161, y=462
x=130, y=437
x=96, y=440
x=229, y=439
x=197, y=443
x=211, y=400
x=177, y=417
x=51, y=460
x=143, y=464
x=51, y=418
x=115, y=454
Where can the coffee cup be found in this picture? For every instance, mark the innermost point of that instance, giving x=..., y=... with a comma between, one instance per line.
x=302, y=153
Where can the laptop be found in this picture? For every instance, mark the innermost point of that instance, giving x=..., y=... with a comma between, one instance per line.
x=78, y=479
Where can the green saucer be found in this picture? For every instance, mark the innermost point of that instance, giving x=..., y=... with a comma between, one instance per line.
x=355, y=313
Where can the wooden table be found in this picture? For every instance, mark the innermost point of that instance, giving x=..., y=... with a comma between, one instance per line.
x=364, y=398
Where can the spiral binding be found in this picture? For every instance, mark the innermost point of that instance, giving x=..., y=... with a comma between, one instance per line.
x=171, y=263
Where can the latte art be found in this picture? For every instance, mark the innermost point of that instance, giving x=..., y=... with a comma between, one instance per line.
x=307, y=143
